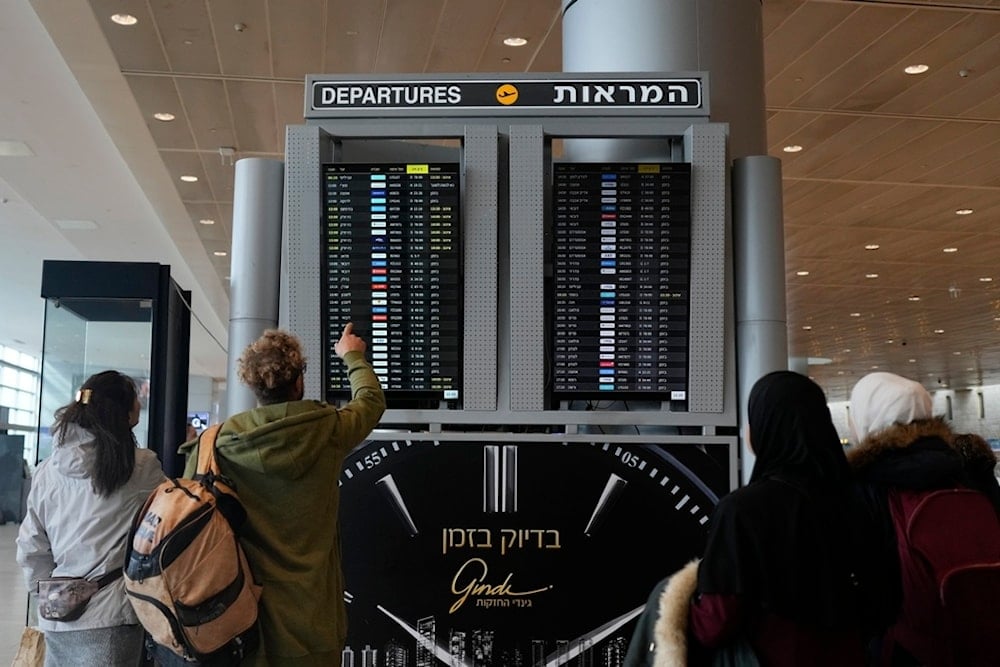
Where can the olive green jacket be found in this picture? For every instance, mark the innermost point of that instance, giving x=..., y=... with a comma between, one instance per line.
x=285, y=461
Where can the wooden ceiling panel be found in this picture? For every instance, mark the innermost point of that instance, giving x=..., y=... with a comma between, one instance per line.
x=219, y=173
x=253, y=116
x=548, y=57
x=186, y=31
x=831, y=50
x=835, y=143
x=136, y=47
x=911, y=143
x=938, y=151
x=181, y=163
x=463, y=30
x=800, y=28
x=876, y=58
x=298, y=32
x=244, y=52
x=530, y=19
x=408, y=30
x=156, y=94
x=353, y=33
x=207, y=108
x=774, y=13
x=782, y=125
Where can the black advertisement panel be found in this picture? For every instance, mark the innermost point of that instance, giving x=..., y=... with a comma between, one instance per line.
x=536, y=553
x=621, y=280
x=392, y=259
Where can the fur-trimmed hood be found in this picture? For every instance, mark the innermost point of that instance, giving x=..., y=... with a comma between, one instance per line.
x=973, y=452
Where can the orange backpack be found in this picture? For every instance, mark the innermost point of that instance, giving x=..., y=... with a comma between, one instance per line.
x=185, y=572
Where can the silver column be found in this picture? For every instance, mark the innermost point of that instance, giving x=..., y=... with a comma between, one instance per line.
x=255, y=260
x=761, y=320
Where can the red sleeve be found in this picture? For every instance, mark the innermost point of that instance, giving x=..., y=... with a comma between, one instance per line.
x=716, y=619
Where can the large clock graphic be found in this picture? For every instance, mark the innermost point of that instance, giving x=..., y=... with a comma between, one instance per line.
x=526, y=553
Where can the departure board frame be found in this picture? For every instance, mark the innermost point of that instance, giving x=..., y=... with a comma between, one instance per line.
x=620, y=288
x=392, y=264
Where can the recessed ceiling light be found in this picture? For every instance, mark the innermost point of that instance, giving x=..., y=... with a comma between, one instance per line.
x=13, y=148
x=912, y=361
x=840, y=372
x=207, y=221
x=939, y=331
x=515, y=41
x=964, y=211
x=846, y=350
x=164, y=116
x=913, y=297
x=792, y=148
x=916, y=69
x=889, y=342
x=872, y=246
x=957, y=354
x=124, y=19
x=952, y=249
x=985, y=279
x=189, y=179
x=219, y=253
x=855, y=314
x=802, y=273
x=871, y=275
x=875, y=367
x=807, y=328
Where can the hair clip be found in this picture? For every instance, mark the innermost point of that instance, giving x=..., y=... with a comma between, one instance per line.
x=83, y=396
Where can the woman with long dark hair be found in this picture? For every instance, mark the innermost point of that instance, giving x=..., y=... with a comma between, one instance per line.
x=781, y=580
x=82, y=501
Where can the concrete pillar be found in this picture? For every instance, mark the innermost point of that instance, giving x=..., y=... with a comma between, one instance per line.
x=255, y=262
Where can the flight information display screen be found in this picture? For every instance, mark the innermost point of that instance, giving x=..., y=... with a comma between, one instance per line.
x=392, y=258
x=621, y=280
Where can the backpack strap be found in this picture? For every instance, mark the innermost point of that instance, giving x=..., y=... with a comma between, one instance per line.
x=206, y=451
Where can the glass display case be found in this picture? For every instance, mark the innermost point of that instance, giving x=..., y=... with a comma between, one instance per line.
x=123, y=316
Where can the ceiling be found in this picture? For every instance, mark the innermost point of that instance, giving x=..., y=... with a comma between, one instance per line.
x=887, y=158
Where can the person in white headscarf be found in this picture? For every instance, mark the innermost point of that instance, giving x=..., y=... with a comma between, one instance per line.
x=902, y=454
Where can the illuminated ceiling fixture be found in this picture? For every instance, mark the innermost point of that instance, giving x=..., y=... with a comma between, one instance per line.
x=952, y=249
x=872, y=246
x=964, y=211
x=807, y=328
x=515, y=41
x=939, y=331
x=802, y=273
x=912, y=361
x=985, y=279
x=914, y=297
x=871, y=275
x=792, y=148
x=164, y=116
x=916, y=69
x=189, y=179
x=207, y=221
x=855, y=314
x=219, y=253
x=124, y=19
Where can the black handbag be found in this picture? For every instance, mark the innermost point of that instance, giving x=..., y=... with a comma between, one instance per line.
x=65, y=598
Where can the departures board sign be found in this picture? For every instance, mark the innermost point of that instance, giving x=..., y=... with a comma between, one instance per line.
x=345, y=98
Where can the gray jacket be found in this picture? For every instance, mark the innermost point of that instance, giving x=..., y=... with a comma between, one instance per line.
x=70, y=531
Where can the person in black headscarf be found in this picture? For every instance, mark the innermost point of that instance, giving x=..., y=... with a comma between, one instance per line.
x=778, y=576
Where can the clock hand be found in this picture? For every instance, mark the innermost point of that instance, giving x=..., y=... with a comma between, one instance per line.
x=612, y=489
x=439, y=652
x=587, y=640
x=387, y=485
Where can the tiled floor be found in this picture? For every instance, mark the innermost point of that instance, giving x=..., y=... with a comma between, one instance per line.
x=13, y=596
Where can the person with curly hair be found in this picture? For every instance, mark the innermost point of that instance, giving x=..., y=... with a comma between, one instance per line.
x=81, y=504
x=284, y=458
